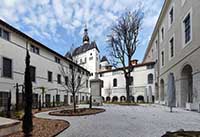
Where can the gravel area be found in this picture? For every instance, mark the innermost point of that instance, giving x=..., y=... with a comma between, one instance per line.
x=129, y=121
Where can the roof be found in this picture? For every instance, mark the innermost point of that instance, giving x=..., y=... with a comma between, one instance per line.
x=134, y=66
x=3, y=23
x=104, y=58
x=156, y=27
x=85, y=47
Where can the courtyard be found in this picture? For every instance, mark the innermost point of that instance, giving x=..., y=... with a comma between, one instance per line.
x=129, y=121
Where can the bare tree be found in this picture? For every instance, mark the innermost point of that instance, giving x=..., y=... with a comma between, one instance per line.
x=123, y=42
x=74, y=81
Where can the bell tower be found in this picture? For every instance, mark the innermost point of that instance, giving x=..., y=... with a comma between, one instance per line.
x=86, y=39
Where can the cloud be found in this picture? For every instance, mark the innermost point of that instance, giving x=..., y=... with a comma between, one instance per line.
x=63, y=20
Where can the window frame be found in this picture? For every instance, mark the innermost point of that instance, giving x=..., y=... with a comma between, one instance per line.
x=49, y=72
x=57, y=60
x=183, y=28
x=59, y=81
x=171, y=22
x=162, y=37
x=33, y=80
x=115, y=82
x=11, y=69
x=162, y=58
x=3, y=31
x=150, y=81
x=173, y=37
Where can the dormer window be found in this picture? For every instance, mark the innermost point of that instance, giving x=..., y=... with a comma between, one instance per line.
x=35, y=50
x=57, y=60
x=4, y=34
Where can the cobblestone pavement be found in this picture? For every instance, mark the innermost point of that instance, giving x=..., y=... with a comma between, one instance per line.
x=129, y=121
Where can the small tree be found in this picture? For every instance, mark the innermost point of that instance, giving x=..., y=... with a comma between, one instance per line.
x=73, y=81
x=27, y=119
x=123, y=42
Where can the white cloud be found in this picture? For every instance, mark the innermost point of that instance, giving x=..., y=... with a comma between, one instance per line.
x=45, y=18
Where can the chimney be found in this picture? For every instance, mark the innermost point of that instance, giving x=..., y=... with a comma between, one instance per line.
x=134, y=62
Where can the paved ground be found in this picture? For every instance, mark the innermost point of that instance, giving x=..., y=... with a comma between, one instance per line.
x=6, y=121
x=129, y=121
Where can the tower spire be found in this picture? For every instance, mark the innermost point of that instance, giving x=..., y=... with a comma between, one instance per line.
x=86, y=38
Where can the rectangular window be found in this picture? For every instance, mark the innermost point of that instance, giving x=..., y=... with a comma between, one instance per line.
x=59, y=79
x=86, y=84
x=66, y=80
x=162, y=33
x=171, y=47
x=187, y=28
x=5, y=34
x=171, y=15
x=162, y=58
x=57, y=60
x=35, y=50
x=50, y=76
x=150, y=66
x=4, y=99
x=7, y=67
x=32, y=73
x=90, y=58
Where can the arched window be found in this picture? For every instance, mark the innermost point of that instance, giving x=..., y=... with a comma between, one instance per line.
x=150, y=79
x=114, y=82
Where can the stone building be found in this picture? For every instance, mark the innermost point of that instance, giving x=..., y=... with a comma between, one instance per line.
x=88, y=56
x=45, y=69
x=175, y=47
x=141, y=88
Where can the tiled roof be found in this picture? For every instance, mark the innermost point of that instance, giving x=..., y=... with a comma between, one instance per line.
x=85, y=47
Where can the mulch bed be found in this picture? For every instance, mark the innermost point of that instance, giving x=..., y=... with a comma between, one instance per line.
x=44, y=128
x=182, y=134
x=79, y=112
x=34, y=111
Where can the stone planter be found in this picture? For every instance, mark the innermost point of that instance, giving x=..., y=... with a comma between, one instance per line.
x=192, y=106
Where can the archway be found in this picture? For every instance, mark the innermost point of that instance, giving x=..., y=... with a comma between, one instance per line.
x=186, y=85
x=115, y=99
x=140, y=99
x=103, y=99
x=162, y=90
x=108, y=98
x=122, y=99
x=132, y=98
x=153, y=99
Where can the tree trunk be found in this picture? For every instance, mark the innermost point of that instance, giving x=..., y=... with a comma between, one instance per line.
x=17, y=97
x=127, y=78
x=74, y=101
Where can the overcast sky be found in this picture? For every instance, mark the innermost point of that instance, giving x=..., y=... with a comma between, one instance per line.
x=59, y=23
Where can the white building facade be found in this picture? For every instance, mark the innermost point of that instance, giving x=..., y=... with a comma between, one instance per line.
x=45, y=69
x=141, y=88
x=87, y=55
x=175, y=47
